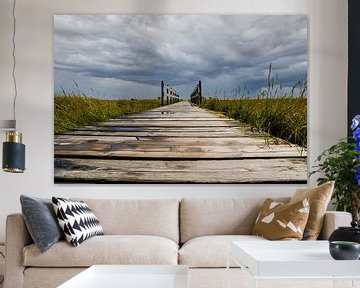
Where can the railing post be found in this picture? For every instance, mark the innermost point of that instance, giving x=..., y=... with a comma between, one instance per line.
x=196, y=95
x=170, y=93
x=162, y=93
x=200, y=94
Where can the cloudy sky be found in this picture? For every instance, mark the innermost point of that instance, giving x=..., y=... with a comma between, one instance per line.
x=124, y=56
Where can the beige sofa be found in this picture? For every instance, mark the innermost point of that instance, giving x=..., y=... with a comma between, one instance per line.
x=194, y=232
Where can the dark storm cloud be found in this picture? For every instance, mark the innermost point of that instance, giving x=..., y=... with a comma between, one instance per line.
x=128, y=55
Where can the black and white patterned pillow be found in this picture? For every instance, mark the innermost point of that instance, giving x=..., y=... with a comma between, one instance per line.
x=77, y=220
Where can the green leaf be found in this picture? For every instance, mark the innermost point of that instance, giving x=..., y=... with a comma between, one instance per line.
x=339, y=163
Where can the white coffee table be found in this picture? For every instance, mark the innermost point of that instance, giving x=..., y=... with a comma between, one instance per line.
x=131, y=276
x=296, y=260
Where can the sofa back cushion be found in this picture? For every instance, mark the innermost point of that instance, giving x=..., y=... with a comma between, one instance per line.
x=200, y=217
x=159, y=217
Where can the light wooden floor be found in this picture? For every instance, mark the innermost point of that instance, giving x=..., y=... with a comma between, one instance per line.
x=179, y=143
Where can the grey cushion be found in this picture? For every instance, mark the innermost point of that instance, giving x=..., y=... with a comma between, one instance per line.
x=41, y=221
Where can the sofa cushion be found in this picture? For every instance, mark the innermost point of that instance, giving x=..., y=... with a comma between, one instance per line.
x=41, y=221
x=77, y=220
x=35, y=277
x=211, y=251
x=107, y=249
x=158, y=217
x=319, y=198
x=200, y=217
x=279, y=221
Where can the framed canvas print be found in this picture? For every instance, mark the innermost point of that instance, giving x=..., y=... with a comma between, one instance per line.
x=180, y=99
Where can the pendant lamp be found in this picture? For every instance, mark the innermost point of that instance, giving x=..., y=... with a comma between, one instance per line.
x=13, y=149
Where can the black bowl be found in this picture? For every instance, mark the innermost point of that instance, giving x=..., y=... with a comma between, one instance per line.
x=344, y=250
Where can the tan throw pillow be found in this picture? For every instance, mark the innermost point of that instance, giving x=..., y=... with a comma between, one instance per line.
x=279, y=221
x=319, y=198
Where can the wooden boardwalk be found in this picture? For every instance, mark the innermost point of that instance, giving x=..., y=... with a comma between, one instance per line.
x=178, y=143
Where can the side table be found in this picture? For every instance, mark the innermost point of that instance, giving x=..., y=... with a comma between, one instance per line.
x=292, y=264
x=131, y=276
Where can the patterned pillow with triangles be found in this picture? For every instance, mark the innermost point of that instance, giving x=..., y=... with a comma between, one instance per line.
x=77, y=220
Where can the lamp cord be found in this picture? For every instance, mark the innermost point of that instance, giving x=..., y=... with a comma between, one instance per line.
x=14, y=60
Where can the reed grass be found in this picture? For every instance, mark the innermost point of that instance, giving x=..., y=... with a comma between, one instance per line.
x=73, y=111
x=284, y=117
x=279, y=112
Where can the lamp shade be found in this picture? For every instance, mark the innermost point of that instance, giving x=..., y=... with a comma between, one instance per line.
x=13, y=153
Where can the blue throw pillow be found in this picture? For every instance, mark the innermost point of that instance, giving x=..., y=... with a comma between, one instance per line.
x=41, y=221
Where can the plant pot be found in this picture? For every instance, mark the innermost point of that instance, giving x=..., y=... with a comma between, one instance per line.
x=344, y=250
x=351, y=233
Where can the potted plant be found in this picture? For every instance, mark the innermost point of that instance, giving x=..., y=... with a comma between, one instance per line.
x=341, y=163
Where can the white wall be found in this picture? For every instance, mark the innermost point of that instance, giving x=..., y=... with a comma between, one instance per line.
x=327, y=95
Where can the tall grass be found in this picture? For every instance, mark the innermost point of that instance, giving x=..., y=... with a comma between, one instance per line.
x=283, y=117
x=73, y=111
x=275, y=110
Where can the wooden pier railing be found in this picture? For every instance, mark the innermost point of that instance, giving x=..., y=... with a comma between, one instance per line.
x=168, y=95
x=196, y=95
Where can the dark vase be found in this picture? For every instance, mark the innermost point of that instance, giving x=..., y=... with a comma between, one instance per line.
x=344, y=250
x=351, y=233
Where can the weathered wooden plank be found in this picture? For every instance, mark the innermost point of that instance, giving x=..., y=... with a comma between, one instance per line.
x=80, y=139
x=236, y=131
x=65, y=139
x=173, y=117
x=134, y=171
x=174, y=121
x=141, y=133
x=147, y=151
x=182, y=116
x=182, y=111
x=238, y=147
x=170, y=124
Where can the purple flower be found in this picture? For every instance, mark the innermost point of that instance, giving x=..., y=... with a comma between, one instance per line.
x=357, y=176
x=355, y=122
x=356, y=134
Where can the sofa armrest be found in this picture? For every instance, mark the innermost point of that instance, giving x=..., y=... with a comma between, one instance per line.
x=333, y=220
x=17, y=237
